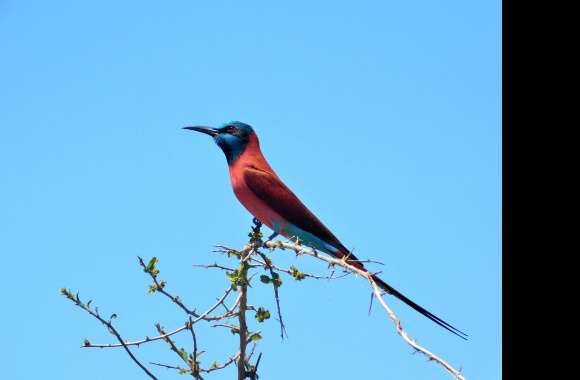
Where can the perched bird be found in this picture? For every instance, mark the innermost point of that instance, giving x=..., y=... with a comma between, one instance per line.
x=263, y=193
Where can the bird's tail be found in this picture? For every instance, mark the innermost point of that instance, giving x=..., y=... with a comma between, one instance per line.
x=354, y=261
x=389, y=289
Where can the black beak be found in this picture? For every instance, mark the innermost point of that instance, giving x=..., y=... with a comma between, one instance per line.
x=207, y=130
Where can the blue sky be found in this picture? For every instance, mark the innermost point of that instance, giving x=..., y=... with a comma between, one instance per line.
x=384, y=117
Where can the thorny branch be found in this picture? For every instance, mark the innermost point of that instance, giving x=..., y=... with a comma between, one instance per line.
x=299, y=250
x=243, y=329
x=203, y=316
x=108, y=323
x=250, y=257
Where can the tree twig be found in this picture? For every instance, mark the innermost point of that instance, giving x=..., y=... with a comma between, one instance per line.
x=275, y=285
x=299, y=249
x=160, y=287
x=243, y=327
x=200, y=317
x=108, y=324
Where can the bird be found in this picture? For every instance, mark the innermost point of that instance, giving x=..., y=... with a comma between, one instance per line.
x=267, y=198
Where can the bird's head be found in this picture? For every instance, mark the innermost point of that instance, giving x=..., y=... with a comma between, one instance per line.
x=232, y=137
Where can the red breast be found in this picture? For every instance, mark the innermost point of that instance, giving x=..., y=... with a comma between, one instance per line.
x=252, y=157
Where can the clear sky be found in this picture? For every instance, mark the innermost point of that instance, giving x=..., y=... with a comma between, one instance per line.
x=383, y=116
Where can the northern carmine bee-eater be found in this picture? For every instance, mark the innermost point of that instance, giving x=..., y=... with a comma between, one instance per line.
x=263, y=193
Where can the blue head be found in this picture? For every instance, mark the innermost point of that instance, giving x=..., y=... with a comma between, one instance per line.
x=232, y=138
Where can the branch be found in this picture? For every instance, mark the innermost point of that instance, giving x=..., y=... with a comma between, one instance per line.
x=367, y=275
x=275, y=284
x=214, y=265
x=238, y=309
x=408, y=338
x=222, y=366
x=200, y=317
x=160, y=287
x=195, y=364
x=243, y=329
x=181, y=353
x=214, y=367
x=108, y=324
x=301, y=275
x=242, y=280
x=138, y=342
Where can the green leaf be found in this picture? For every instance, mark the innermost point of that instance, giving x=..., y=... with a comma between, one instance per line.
x=265, y=279
x=255, y=235
x=154, y=287
x=214, y=365
x=298, y=276
x=86, y=342
x=236, y=278
x=184, y=355
x=276, y=280
x=152, y=264
x=233, y=276
x=67, y=293
x=256, y=337
x=262, y=314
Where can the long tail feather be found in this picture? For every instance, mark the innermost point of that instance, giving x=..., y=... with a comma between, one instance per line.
x=389, y=289
x=352, y=260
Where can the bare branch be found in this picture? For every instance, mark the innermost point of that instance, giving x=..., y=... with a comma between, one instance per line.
x=299, y=250
x=275, y=285
x=108, y=324
x=160, y=287
x=138, y=342
x=214, y=265
x=189, y=360
x=408, y=338
x=306, y=275
x=200, y=317
x=180, y=369
x=243, y=328
x=194, y=364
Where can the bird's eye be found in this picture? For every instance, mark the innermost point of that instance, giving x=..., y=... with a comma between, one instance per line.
x=230, y=129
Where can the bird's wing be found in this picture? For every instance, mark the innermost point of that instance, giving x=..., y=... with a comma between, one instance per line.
x=281, y=199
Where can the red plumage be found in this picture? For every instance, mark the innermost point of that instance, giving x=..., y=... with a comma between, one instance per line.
x=261, y=191
x=265, y=196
